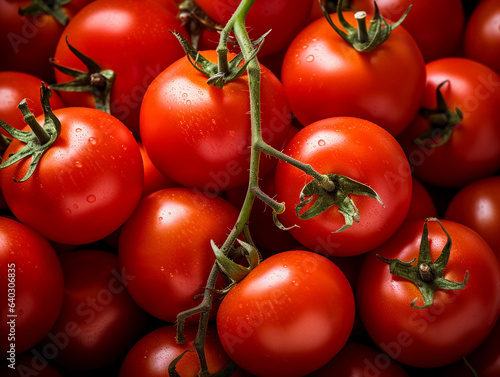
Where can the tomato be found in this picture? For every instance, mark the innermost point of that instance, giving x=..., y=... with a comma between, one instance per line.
x=27, y=42
x=151, y=356
x=199, y=135
x=473, y=151
x=288, y=317
x=444, y=23
x=99, y=321
x=86, y=184
x=324, y=77
x=285, y=18
x=357, y=359
x=154, y=180
x=422, y=204
x=16, y=86
x=477, y=206
x=165, y=244
x=32, y=287
x=26, y=365
x=482, y=35
x=456, y=322
x=359, y=150
x=130, y=37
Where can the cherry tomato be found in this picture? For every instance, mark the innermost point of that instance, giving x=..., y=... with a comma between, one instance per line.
x=154, y=180
x=209, y=152
x=152, y=355
x=324, y=77
x=477, y=206
x=86, y=184
x=288, y=317
x=32, y=287
x=362, y=151
x=456, y=322
x=165, y=245
x=422, y=204
x=130, y=37
x=473, y=151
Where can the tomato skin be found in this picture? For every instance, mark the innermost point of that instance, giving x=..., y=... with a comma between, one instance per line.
x=284, y=17
x=37, y=280
x=99, y=321
x=284, y=318
x=16, y=86
x=482, y=35
x=477, y=206
x=362, y=151
x=85, y=186
x=458, y=320
x=133, y=31
x=323, y=76
x=422, y=204
x=151, y=356
x=154, y=180
x=209, y=152
x=358, y=360
x=473, y=151
x=165, y=244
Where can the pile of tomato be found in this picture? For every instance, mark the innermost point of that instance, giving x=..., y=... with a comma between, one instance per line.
x=370, y=244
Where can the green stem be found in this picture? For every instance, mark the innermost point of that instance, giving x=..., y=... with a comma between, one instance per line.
x=30, y=119
x=363, y=36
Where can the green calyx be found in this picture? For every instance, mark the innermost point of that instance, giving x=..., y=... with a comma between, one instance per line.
x=364, y=39
x=427, y=275
x=223, y=72
x=96, y=81
x=52, y=7
x=338, y=194
x=39, y=140
x=443, y=121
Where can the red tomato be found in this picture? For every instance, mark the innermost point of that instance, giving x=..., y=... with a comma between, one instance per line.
x=26, y=365
x=444, y=22
x=86, y=184
x=482, y=34
x=151, y=356
x=27, y=42
x=477, y=206
x=99, y=321
x=324, y=77
x=154, y=180
x=422, y=204
x=137, y=46
x=357, y=359
x=165, y=244
x=32, y=287
x=16, y=86
x=456, y=322
x=473, y=151
x=285, y=18
x=285, y=317
x=209, y=152
x=362, y=151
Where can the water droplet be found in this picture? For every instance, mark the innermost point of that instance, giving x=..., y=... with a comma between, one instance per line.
x=304, y=47
x=169, y=213
x=78, y=130
x=92, y=141
x=171, y=275
x=321, y=142
x=124, y=147
x=188, y=102
x=91, y=198
x=78, y=164
x=310, y=59
x=184, y=95
x=68, y=211
x=295, y=283
x=285, y=266
x=160, y=219
x=162, y=269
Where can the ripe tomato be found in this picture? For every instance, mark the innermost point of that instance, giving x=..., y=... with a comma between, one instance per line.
x=442, y=35
x=285, y=18
x=477, y=206
x=16, y=86
x=288, y=317
x=154, y=180
x=482, y=35
x=165, y=245
x=86, y=184
x=456, y=322
x=473, y=151
x=32, y=287
x=422, y=204
x=131, y=38
x=99, y=321
x=199, y=135
x=362, y=151
x=324, y=77
x=152, y=355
